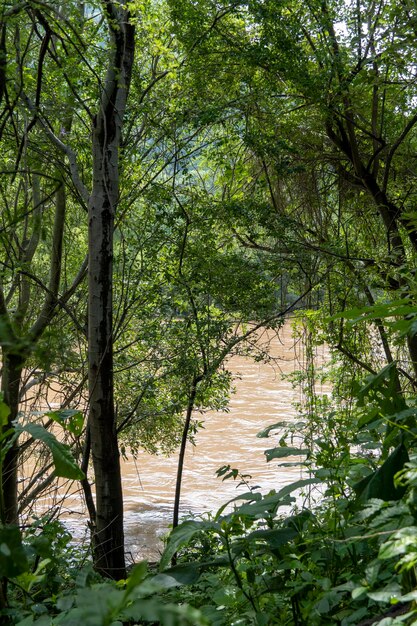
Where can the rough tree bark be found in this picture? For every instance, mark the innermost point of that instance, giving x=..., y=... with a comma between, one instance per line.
x=11, y=378
x=108, y=537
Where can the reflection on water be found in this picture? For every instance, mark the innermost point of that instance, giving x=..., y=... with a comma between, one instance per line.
x=261, y=398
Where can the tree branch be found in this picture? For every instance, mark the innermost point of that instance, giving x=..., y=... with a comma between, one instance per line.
x=62, y=147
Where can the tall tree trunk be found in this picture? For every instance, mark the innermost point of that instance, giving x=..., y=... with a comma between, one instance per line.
x=391, y=215
x=11, y=378
x=108, y=536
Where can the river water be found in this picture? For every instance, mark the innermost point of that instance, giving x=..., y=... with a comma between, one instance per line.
x=262, y=397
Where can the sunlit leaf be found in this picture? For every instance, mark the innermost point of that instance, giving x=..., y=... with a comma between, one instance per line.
x=4, y=412
x=70, y=419
x=65, y=465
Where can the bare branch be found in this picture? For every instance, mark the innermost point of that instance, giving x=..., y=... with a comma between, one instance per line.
x=408, y=127
x=64, y=148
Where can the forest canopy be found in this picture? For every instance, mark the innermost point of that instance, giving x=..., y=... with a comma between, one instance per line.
x=176, y=175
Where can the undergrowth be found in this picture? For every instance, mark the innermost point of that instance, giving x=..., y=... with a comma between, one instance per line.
x=337, y=547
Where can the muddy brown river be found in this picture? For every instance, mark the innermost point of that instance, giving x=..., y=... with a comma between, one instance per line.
x=262, y=397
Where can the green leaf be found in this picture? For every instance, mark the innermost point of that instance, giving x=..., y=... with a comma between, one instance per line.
x=70, y=419
x=409, y=597
x=181, y=535
x=65, y=464
x=402, y=416
x=4, y=413
x=274, y=538
x=154, y=610
x=251, y=496
x=263, y=507
x=369, y=418
x=359, y=592
x=137, y=575
x=27, y=621
x=380, y=484
x=299, y=484
x=225, y=596
x=13, y=560
x=399, y=543
x=379, y=311
x=184, y=574
x=299, y=520
x=391, y=592
x=374, y=381
x=284, y=451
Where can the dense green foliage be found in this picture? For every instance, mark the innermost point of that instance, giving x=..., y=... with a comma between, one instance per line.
x=266, y=169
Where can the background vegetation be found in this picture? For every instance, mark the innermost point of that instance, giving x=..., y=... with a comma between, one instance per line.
x=174, y=176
